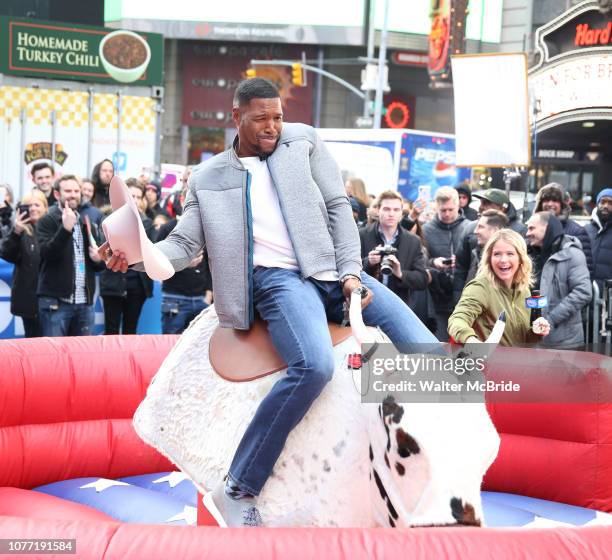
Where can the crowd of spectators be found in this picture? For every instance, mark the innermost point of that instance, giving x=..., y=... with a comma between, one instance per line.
x=53, y=235
x=447, y=259
x=473, y=268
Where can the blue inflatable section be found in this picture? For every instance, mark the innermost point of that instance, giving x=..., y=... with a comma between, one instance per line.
x=170, y=498
x=127, y=502
x=174, y=484
x=512, y=510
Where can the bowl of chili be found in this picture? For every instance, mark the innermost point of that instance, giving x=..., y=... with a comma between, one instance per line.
x=125, y=55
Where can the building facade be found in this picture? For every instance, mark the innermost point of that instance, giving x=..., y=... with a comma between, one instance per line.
x=206, y=59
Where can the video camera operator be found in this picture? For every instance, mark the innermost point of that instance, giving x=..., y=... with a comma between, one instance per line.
x=392, y=254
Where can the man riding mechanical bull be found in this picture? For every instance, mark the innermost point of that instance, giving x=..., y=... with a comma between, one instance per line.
x=278, y=228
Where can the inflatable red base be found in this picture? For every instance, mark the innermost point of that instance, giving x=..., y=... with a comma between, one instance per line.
x=65, y=415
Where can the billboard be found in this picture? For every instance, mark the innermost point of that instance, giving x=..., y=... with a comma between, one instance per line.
x=319, y=22
x=48, y=49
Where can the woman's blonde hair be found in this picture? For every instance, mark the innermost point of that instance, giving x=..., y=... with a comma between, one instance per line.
x=522, y=277
x=359, y=191
x=27, y=199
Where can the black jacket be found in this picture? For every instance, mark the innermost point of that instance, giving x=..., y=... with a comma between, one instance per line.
x=409, y=254
x=570, y=227
x=469, y=213
x=115, y=283
x=56, y=278
x=444, y=240
x=191, y=282
x=152, y=213
x=22, y=250
x=601, y=244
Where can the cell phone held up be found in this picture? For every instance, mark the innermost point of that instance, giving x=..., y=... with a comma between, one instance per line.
x=23, y=209
x=425, y=193
x=447, y=261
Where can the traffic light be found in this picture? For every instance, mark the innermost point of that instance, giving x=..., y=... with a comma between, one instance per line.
x=297, y=74
x=251, y=73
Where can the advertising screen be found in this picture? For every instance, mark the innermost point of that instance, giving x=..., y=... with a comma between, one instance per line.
x=320, y=22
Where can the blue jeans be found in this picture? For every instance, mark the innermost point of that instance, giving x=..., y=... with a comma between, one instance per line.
x=297, y=311
x=58, y=318
x=178, y=311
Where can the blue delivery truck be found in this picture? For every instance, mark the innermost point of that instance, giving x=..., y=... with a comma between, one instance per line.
x=410, y=161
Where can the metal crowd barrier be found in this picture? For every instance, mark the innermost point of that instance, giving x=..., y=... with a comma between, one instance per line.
x=599, y=318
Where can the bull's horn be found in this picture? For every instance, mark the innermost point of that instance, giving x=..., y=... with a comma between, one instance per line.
x=360, y=331
x=498, y=329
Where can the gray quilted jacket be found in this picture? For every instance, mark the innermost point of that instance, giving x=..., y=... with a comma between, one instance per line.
x=217, y=213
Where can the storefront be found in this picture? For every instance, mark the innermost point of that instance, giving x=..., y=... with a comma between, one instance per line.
x=571, y=88
x=211, y=72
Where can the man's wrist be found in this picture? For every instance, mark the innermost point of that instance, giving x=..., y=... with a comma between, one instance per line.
x=346, y=277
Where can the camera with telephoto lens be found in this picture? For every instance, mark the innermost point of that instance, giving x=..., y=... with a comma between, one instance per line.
x=386, y=266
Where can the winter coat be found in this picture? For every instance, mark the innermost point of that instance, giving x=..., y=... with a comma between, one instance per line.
x=566, y=283
x=601, y=245
x=570, y=227
x=515, y=224
x=23, y=251
x=217, y=214
x=56, y=278
x=409, y=254
x=474, y=262
x=94, y=215
x=469, y=213
x=116, y=284
x=444, y=240
x=480, y=305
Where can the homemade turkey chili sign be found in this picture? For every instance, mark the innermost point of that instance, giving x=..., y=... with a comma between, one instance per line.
x=69, y=52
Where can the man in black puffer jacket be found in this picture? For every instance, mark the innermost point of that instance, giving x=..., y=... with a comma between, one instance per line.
x=600, y=232
x=550, y=198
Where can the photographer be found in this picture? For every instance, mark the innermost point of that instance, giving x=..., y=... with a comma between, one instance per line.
x=390, y=253
x=21, y=248
x=445, y=235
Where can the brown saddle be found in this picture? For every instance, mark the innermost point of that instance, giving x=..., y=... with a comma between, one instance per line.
x=246, y=355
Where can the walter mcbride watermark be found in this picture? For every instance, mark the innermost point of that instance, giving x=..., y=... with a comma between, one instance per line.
x=476, y=374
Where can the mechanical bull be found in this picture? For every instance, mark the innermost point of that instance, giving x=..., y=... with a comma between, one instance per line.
x=346, y=464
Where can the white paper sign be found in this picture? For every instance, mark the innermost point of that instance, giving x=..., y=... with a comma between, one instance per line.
x=491, y=109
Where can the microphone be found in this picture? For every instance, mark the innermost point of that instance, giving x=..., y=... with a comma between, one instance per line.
x=536, y=303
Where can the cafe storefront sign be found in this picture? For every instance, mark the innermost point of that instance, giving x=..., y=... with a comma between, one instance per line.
x=69, y=52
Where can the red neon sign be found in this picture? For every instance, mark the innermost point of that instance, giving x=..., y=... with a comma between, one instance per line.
x=397, y=115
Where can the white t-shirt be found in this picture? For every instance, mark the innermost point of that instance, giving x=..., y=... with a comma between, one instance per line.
x=272, y=246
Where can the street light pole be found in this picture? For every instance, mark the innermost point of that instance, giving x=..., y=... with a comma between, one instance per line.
x=370, y=54
x=382, y=56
